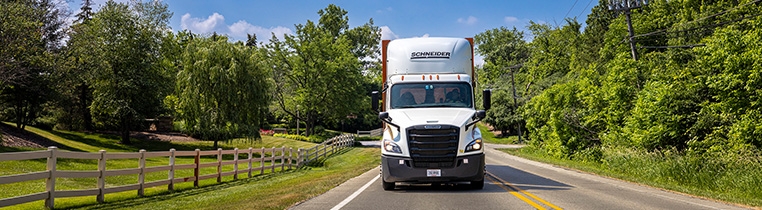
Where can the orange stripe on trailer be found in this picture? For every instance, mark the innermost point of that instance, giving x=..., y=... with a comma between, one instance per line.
x=384, y=45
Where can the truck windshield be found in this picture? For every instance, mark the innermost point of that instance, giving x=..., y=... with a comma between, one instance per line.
x=417, y=95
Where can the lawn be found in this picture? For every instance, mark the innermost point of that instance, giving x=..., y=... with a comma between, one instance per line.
x=307, y=181
x=490, y=137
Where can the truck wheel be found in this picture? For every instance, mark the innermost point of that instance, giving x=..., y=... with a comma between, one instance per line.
x=477, y=185
x=387, y=185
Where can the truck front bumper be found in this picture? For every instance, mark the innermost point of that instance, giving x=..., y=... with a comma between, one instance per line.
x=400, y=169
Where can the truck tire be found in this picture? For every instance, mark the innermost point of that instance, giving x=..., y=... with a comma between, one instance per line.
x=387, y=185
x=477, y=185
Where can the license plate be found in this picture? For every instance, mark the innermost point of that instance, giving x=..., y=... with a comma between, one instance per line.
x=434, y=172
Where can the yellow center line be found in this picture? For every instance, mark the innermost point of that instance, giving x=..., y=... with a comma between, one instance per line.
x=514, y=193
x=522, y=191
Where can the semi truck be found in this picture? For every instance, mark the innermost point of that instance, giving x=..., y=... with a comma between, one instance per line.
x=429, y=113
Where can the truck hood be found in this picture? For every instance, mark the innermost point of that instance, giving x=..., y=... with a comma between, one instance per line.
x=421, y=116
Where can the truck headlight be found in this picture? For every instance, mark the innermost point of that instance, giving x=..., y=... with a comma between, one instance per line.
x=474, y=145
x=390, y=146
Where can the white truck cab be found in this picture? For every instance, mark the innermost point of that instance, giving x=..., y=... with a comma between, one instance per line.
x=429, y=113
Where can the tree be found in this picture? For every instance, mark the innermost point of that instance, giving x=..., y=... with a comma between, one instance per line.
x=222, y=89
x=74, y=81
x=86, y=11
x=504, y=51
x=131, y=82
x=319, y=69
x=30, y=33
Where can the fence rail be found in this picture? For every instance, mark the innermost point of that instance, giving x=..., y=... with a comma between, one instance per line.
x=278, y=158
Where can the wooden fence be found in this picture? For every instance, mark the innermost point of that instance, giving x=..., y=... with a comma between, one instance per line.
x=284, y=156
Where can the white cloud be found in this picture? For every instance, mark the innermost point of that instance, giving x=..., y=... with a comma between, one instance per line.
x=468, y=21
x=236, y=31
x=510, y=19
x=424, y=36
x=242, y=28
x=388, y=9
x=196, y=25
x=478, y=60
x=388, y=34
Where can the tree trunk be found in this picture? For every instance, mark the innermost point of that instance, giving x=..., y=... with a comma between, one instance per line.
x=87, y=118
x=125, y=127
x=19, y=114
x=215, y=144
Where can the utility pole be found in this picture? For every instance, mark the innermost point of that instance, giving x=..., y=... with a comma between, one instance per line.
x=626, y=6
x=515, y=104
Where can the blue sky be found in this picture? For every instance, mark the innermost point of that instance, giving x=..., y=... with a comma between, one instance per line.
x=397, y=18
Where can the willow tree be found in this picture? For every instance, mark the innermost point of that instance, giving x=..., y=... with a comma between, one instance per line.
x=319, y=70
x=222, y=89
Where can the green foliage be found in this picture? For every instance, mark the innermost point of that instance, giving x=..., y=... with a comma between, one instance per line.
x=699, y=101
x=129, y=81
x=314, y=139
x=222, y=89
x=31, y=34
x=504, y=52
x=319, y=69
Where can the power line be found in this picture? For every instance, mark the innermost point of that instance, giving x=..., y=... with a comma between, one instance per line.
x=668, y=47
x=700, y=19
x=570, y=9
x=583, y=10
x=700, y=30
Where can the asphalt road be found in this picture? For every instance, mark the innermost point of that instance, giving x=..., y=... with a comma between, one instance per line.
x=512, y=183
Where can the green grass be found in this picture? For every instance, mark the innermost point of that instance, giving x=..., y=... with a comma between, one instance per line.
x=76, y=141
x=490, y=137
x=270, y=191
x=732, y=182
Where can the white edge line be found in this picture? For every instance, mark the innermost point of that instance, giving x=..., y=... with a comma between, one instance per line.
x=355, y=194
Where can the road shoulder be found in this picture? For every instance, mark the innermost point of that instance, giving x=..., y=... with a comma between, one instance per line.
x=334, y=196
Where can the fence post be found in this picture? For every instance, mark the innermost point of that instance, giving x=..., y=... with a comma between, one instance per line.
x=282, y=158
x=235, y=164
x=171, y=186
x=50, y=184
x=272, y=161
x=101, y=178
x=219, y=165
x=142, y=175
x=290, y=156
x=251, y=155
x=196, y=160
x=262, y=162
x=299, y=157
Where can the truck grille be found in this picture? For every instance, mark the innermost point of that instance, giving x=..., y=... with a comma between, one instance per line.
x=435, y=147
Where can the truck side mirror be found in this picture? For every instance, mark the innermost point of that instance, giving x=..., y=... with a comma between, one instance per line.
x=487, y=99
x=481, y=114
x=374, y=100
x=383, y=115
